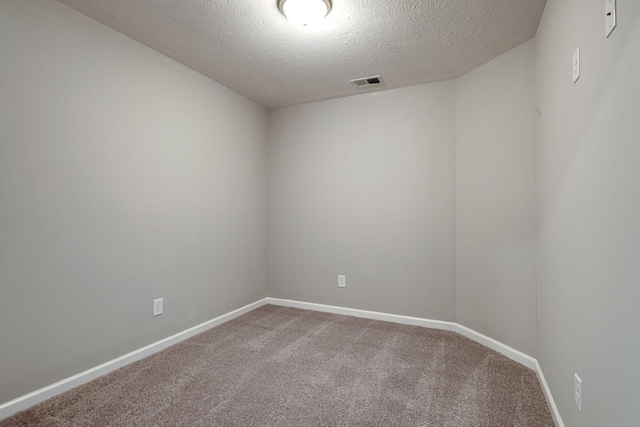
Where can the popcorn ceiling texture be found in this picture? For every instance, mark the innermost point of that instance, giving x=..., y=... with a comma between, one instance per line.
x=248, y=46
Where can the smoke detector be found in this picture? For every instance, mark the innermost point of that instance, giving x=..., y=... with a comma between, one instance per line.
x=367, y=82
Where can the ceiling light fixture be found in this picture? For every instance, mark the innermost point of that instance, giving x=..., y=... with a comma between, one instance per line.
x=304, y=13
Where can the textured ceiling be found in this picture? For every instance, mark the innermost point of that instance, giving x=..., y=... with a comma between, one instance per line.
x=248, y=46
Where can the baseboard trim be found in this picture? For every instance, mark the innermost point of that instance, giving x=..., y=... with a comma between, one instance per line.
x=501, y=348
x=16, y=405
x=407, y=320
x=23, y=402
x=555, y=413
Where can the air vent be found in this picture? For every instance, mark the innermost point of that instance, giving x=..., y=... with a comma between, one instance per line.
x=367, y=82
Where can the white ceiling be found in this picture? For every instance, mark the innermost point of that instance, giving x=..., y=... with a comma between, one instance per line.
x=248, y=46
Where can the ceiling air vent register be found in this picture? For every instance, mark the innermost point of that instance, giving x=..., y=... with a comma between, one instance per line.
x=367, y=82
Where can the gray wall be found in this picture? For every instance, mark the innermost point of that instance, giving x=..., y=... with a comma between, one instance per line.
x=357, y=188
x=495, y=199
x=364, y=186
x=124, y=177
x=588, y=175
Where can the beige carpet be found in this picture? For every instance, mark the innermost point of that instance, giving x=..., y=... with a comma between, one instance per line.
x=281, y=366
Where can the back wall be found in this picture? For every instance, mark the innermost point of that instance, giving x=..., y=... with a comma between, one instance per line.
x=364, y=186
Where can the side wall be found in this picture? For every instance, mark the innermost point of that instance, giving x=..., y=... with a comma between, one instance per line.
x=495, y=199
x=364, y=186
x=124, y=177
x=588, y=183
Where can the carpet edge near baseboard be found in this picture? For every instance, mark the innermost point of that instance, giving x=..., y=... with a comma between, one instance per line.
x=26, y=401
x=30, y=399
x=505, y=350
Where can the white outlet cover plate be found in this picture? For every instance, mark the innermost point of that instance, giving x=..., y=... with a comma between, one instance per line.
x=576, y=65
x=342, y=281
x=577, y=391
x=157, y=306
x=610, y=16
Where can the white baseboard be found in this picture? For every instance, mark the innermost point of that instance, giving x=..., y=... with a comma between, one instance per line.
x=28, y=400
x=547, y=394
x=406, y=320
x=501, y=348
x=511, y=353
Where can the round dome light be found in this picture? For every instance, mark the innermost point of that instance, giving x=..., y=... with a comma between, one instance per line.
x=304, y=13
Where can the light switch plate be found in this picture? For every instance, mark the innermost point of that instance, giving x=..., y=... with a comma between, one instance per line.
x=610, y=16
x=576, y=65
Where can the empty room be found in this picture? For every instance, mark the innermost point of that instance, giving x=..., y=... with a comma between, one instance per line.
x=319, y=212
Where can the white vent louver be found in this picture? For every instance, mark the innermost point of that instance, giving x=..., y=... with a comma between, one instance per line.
x=367, y=82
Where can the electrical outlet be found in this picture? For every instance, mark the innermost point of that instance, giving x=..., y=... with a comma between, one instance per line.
x=576, y=65
x=157, y=306
x=610, y=19
x=577, y=391
x=342, y=281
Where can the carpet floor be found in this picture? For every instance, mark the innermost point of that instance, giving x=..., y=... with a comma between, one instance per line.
x=278, y=366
